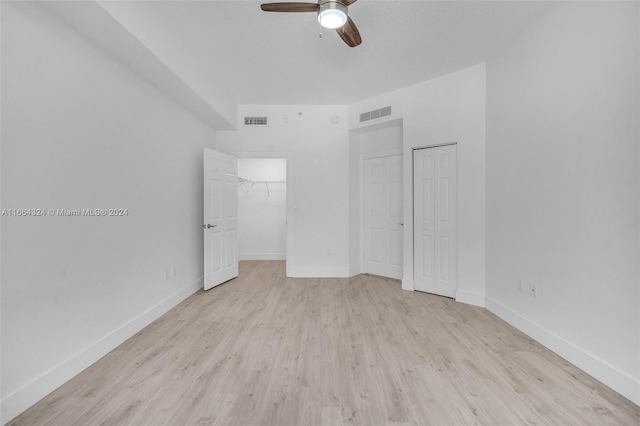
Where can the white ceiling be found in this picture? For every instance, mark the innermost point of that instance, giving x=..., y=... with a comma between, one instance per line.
x=254, y=57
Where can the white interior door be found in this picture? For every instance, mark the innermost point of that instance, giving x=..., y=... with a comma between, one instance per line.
x=220, y=218
x=382, y=216
x=435, y=220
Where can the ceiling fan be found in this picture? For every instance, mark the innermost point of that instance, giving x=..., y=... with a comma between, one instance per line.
x=331, y=14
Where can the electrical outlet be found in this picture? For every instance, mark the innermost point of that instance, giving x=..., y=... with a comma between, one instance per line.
x=174, y=271
x=521, y=286
x=533, y=290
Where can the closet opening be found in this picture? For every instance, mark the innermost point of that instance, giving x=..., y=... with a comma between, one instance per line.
x=262, y=208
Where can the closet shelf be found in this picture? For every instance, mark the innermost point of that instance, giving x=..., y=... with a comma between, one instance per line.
x=242, y=181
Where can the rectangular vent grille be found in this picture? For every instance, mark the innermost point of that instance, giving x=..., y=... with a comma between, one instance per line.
x=376, y=113
x=255, y=121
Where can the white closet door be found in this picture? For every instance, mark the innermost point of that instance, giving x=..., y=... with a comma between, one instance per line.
x=383, y=216
x=435, y=220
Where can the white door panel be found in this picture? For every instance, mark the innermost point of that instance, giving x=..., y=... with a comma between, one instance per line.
x=382, y=216
x=220, y=218
x=435, y=220
x=395, y=249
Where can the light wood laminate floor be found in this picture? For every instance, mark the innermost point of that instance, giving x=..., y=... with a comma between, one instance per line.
x=264, y=349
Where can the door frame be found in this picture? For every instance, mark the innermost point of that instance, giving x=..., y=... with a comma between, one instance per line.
x=289, y=230
x=370, y=156
x=413, y=233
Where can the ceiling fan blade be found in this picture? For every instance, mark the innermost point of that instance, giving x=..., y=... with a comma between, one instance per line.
x=290, y=7
x=349, y=33
x=348, y=2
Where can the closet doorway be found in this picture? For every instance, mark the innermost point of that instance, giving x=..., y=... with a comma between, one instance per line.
x=263, y=207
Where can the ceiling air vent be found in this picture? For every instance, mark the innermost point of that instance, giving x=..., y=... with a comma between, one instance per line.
x=375, y=114
x=255, y=121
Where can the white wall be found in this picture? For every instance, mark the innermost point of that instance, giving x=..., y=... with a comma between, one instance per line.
x=562, y=187
x=452, y=109
x=127, y=41
x=381, y=139
x=150, y=32
x=318, y=179
x=262, y=209
x=446, y=109
x=81, y=131
x=263, y=169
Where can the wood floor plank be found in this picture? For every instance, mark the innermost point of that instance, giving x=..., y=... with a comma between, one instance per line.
x=264, y=349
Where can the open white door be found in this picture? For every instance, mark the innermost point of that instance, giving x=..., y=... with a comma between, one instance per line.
x=435, y=220
x=220, y=218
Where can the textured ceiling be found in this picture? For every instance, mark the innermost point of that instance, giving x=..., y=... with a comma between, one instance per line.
x=253, y=57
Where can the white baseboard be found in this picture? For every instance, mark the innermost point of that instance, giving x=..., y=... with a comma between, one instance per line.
x=624, y=384
x=354, y=270
x=23, y=398
x=294, y=271
x=262, y=256
x=470, y=298
x=381, y=271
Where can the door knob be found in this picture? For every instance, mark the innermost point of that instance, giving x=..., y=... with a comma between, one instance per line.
x=400, y=224
x=208, y=225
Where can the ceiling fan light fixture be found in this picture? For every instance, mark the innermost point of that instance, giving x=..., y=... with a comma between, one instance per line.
x=332, y=14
